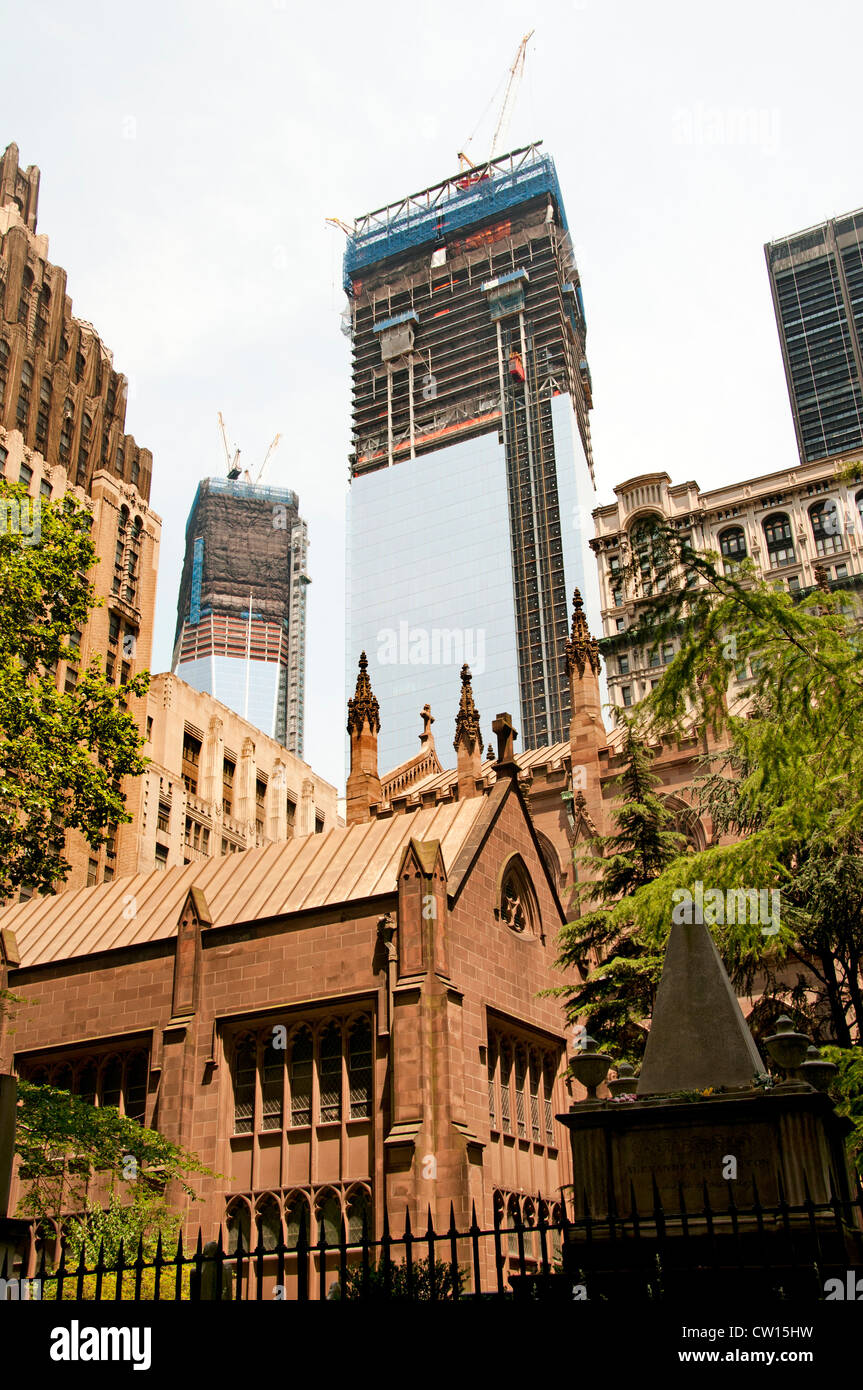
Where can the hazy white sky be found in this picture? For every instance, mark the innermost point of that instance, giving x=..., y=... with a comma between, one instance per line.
x=191, y=151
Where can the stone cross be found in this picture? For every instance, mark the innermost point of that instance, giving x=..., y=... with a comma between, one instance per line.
x=506, y=736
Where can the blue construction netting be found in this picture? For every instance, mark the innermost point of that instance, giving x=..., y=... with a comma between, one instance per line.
x=458, y=209
x=197, y=571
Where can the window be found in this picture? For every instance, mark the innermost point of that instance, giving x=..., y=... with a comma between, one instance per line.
x=92, y=872
x=780, y=546
x=302, y=1056
x=191, y=760
x=273, y=1068
x=4, y=368
x=65, y=444
x=164, y=821
x=859, y=500
x=80, y=364
x=654, y=658
x=117, y=1079
x=626, y=695
x=732, y=547
x=161, y=856
x=620, y=624
x=24, y=300
x=43, y=309
x=331, y=1074
x=25, y=474
x=84, y=447
x=360, y=1070
x=42, y=415
x=617, y=597
x=841, y=571
x=319, y=824
x=623, y=664
x=826, y=522
x=23, y=409
x=794, y=584
x=244, y=1086
x=667, y=653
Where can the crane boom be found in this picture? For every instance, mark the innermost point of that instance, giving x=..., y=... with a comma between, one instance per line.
x=515, y=73
x=273, y=446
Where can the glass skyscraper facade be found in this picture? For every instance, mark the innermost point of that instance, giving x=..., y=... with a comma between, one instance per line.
x=816, y=278
x=469, y=503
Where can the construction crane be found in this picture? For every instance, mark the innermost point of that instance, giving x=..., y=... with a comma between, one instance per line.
x=233, y=464
x=337, y=222
x=274, y=445
x=515, y=74
x=512, y=84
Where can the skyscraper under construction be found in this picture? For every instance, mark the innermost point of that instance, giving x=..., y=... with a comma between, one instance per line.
x=471, y=467
x=241, y=612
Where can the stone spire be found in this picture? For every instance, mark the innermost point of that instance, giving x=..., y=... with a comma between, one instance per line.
x=582, y=650
x=468, y=739
x=364, y=724
x=586, y=729
x=363, y=708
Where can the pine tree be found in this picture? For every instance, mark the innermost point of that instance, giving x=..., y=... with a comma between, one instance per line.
x=619, y=978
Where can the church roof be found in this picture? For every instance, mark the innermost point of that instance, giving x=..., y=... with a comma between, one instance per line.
x=341, y=865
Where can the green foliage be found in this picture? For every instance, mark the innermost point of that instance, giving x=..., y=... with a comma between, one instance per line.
x=619, y=975
x=789, y=779
x=62, y=755
x=847, y=1091
x=63, y=1142
x=425, y=1279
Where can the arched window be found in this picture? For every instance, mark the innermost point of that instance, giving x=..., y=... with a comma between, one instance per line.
x=513, y=1221
x=301, y=1078
x=859, y=500
x=780, y=544
x=517, y=907
x=271, y=1087
x=331, y=1073
x=548, y=1073
x=269, y=1222
x=359, y=1207
x=238, y=1220
x=43, y=309
x=732, y=547
x=826, y=521
x=296, y=1216
x=244, y=1086
x=360, y=1069
x=329, y=1214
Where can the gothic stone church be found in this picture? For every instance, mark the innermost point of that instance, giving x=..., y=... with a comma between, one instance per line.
x=350, y=1017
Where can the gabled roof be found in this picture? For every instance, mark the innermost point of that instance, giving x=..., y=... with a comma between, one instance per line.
x=344, y=864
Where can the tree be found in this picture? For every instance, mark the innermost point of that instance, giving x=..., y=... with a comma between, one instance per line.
x=62, y=753
x=619, y=976
x=64, y=1143
x=789, y=780
x=389, y=1281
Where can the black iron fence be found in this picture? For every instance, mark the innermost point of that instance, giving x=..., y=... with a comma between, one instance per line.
x=808, y=1249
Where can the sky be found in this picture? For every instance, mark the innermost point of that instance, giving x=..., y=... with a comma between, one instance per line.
x=191, y=153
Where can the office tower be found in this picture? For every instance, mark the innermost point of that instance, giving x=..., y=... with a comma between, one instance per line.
x=241, y=612
x=471, y=462
x=816, y=278
x=800, y=527
x=62, y=429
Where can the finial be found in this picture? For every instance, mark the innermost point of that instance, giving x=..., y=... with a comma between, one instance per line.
x=467, y=730
x=363, y=708
x=581, y=649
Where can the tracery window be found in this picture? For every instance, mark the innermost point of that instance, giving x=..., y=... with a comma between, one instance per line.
x=780, y=544
x=326, y=1071
x=116, y=1078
